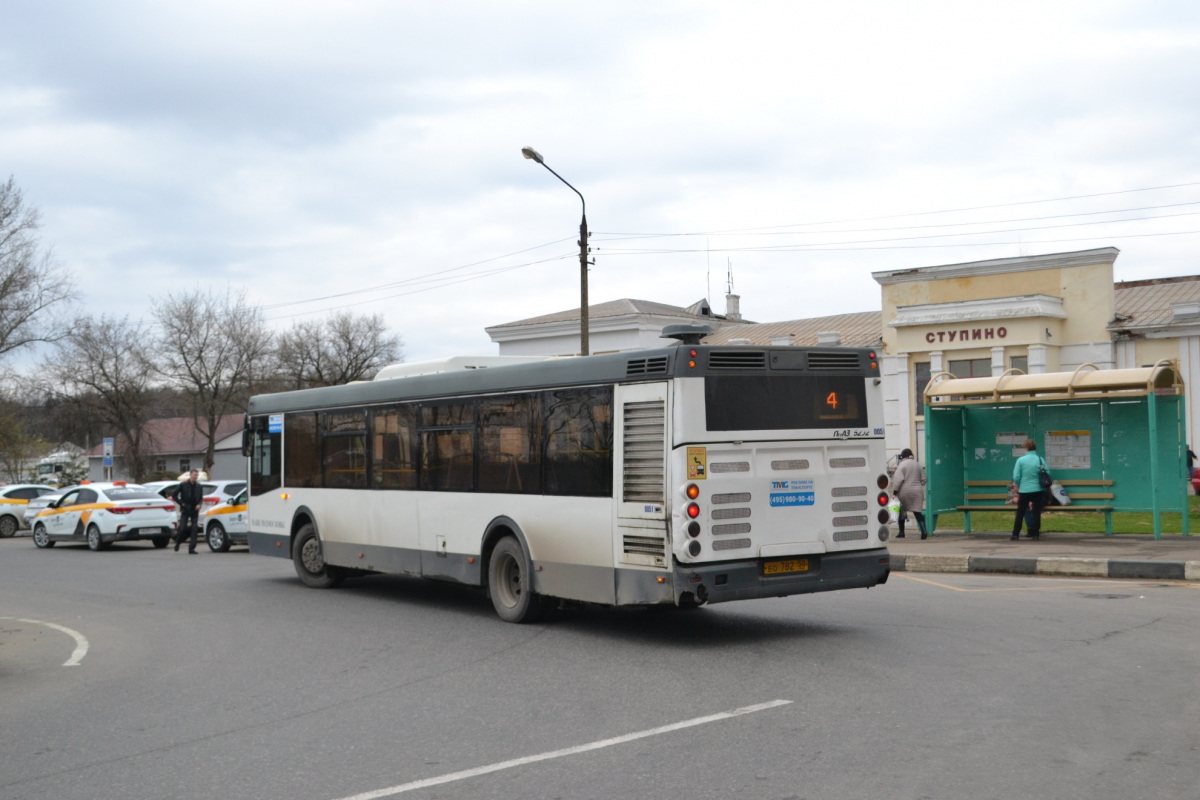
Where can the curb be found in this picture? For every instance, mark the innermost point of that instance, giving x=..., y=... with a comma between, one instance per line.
x=1075, y=567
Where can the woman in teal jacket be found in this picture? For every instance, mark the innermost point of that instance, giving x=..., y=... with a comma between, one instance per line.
x=1026, y=475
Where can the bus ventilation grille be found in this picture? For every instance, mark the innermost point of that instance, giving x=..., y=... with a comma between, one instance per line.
x=730, y=544
x=737, y=359
x=729, y=466
x=849, y=536
x=784, y=466
x=736, y=497
x=644, y=477
x=843, y=463
x=846, y=522
x=645, y=545
x=742, y=513
x=646, y=366
x=818, y=361
x=850, y=505
x=736, y=527
x=849, y=491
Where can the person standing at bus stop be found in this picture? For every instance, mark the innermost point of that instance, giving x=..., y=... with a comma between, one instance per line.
x=1031, y=495
x=908, y=486
x=189, y=496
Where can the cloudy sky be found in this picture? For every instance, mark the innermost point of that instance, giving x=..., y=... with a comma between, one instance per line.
x=367, y=154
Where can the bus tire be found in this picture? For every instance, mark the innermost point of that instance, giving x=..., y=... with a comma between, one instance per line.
x=310, y=561
x=510, y=583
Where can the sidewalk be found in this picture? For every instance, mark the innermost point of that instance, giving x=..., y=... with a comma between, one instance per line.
x=1094, y=555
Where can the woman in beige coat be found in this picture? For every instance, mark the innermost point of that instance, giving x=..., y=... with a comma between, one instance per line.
x=908, y=485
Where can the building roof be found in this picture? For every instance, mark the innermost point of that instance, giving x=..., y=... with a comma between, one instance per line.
x=176, y=435
x=613, y=308
x=860, y=329
x=1148, y=304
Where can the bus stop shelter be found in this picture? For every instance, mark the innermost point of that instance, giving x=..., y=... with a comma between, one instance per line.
x=1114, y=439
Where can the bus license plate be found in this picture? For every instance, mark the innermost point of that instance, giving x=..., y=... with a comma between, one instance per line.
x=781, y=567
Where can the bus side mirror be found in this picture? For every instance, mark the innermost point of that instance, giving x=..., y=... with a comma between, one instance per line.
x=246, y=438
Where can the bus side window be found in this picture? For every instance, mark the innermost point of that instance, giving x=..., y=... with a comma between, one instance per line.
x=302, y=465
x=579, y=457
x=510, y=444
x=265, y=474
x=448, y=453
x=394, y=460
x=345, y=448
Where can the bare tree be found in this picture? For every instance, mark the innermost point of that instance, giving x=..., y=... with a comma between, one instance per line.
x=345, y=347
x=211, y=347
x=36, y=290
x=103, y=368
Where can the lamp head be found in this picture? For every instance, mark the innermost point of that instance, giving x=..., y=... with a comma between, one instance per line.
x=529, y=152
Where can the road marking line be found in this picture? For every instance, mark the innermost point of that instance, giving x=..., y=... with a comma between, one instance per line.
x=568, y=751
x=81, y=642
x=1074, y=582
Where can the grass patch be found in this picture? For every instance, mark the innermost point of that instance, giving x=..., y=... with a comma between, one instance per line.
x=1080, y=522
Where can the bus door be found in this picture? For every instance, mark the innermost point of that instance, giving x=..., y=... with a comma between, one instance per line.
x=640, y=478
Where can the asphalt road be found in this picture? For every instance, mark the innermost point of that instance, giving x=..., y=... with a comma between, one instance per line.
x=220, y=676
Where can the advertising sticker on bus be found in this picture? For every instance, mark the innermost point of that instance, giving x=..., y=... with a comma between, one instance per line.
x=697, y=463
x=795, y=493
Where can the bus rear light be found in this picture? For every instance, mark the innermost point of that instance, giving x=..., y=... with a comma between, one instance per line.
x=883, y=515
x=692, y=491
x=882, y=498
x=882, y=481
x=693, y=529
x=884, y=533
x=691, y=359
x=694, y=548
x=693, y=510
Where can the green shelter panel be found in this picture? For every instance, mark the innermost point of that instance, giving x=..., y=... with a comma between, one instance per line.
x=944, y=459
x=1070, y=436
x=993, y=438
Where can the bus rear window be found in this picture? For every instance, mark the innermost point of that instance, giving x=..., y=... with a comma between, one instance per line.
x=784, y=402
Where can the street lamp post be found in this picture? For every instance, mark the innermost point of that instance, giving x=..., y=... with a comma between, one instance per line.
x=530, y=153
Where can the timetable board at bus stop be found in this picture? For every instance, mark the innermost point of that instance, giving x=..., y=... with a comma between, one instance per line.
x=1114, y=438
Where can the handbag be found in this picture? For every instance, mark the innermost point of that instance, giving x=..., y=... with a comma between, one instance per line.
x=893, y=508
x=1044, y=479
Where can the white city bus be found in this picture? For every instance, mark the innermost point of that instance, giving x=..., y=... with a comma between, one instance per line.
x=682, y=475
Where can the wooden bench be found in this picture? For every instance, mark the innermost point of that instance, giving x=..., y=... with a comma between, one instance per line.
x=1098, y=501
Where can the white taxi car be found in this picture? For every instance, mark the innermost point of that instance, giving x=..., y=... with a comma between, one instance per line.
x=225, y=525
x=102, y=513
x=13, y=500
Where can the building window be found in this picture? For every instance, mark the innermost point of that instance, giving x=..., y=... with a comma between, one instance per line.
x=160, y=465
x=971, y=368
x=920, y=381
x=1019, y=362
x=185, y=465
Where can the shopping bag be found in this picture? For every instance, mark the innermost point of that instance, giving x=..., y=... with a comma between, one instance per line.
x=1059, y=494
x=894, y=510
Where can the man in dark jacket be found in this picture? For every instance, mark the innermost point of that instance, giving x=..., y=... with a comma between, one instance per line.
x=189, y=496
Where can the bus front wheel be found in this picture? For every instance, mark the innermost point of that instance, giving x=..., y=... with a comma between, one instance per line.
x=510, y=583
x=310, y=561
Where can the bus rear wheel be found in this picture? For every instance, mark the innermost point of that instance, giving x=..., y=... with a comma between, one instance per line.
x=310, y=561
x=510, y=583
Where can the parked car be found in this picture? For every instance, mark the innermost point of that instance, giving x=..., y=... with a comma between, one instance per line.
x=38, y=503
x=1196, y=480
x=214, y=491
x=102, y=513
x=13, y=501
x=225, y=524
